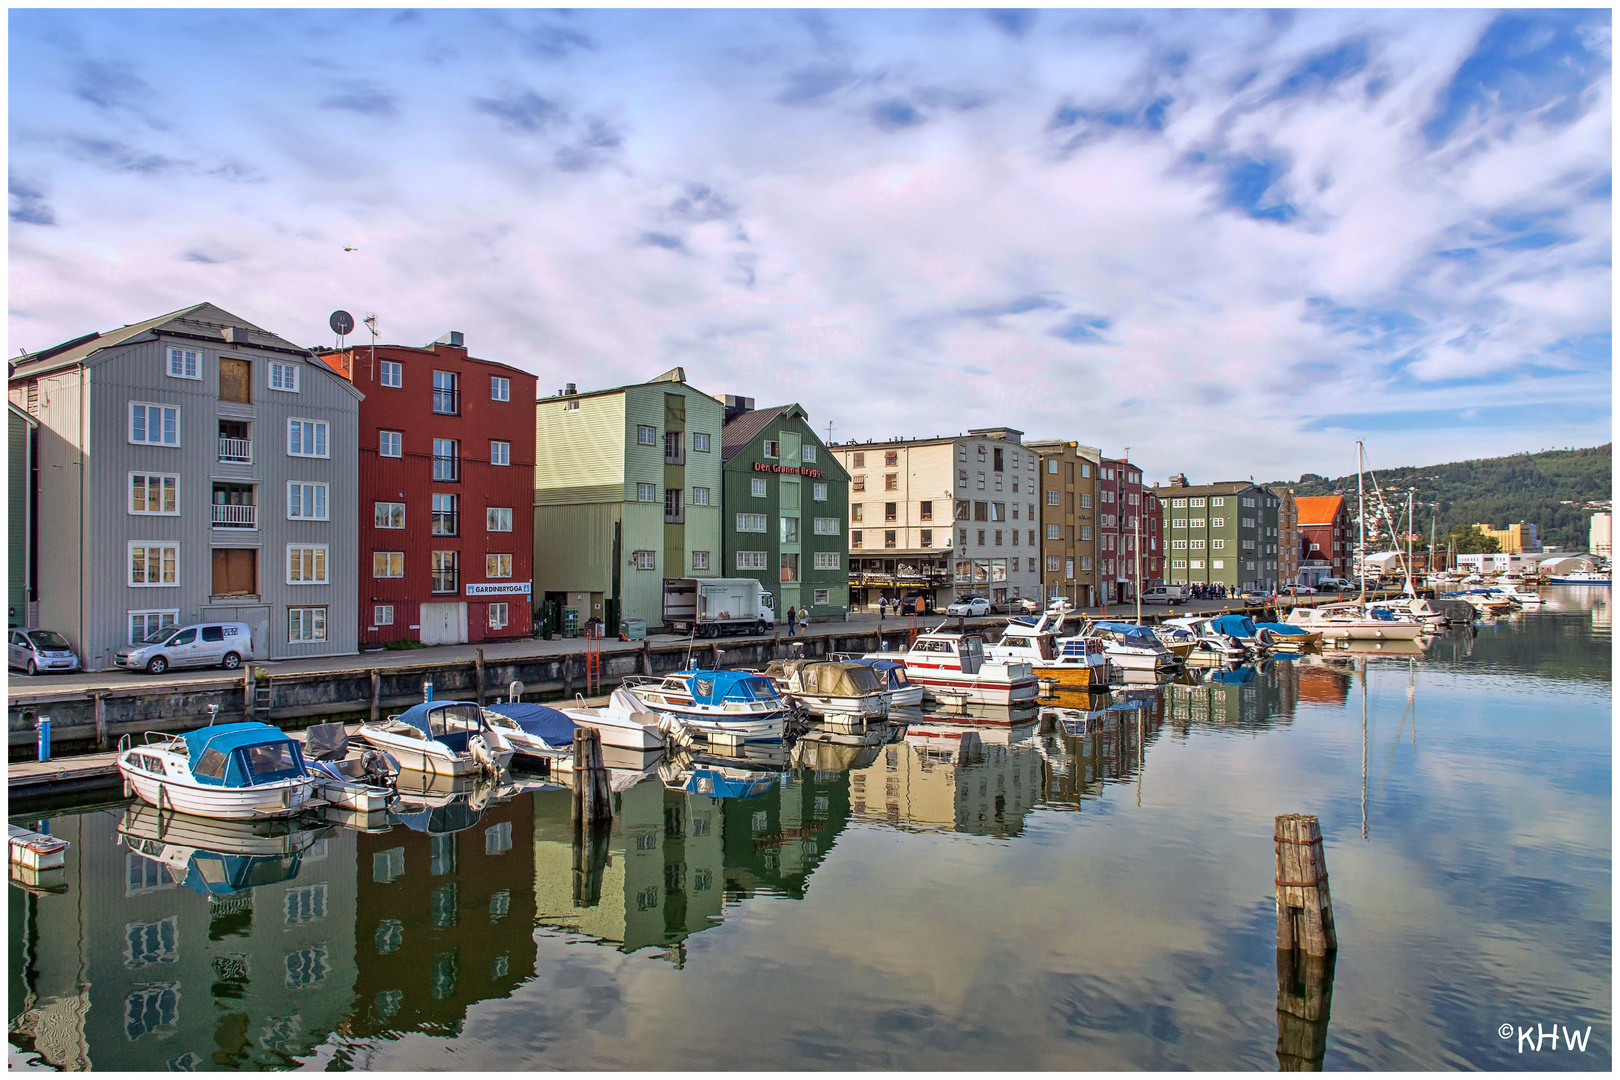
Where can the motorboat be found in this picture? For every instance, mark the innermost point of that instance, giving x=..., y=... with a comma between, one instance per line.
x=1213, y=648
x=363, y=782
x=1284, y=637
x=899, y=691
x=1336, y=621
x=536, y=732
x=738, y=704
x=1412, y=607
x=1581, y=577
x=953, y=667
x=1073, y=663
x=1178, y=640
x=624, y=722
x=214, y=857
x=1487, y=602
x=448, y=738
x=1529, y=599
x=234, y=772
x=836, y=688
x=1131, y=647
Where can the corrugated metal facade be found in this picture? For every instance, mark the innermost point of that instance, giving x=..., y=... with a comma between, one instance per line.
x=19, y=486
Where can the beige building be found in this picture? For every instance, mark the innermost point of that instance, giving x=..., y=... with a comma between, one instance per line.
x=945, y=516
x=1068, y=491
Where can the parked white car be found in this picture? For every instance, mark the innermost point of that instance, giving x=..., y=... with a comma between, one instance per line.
x=198, y=645
x=969, y=605
x=36, y=651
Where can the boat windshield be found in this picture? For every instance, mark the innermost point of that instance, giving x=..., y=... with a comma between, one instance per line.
x=752, y=690
x=454, y=720
x=272, y=761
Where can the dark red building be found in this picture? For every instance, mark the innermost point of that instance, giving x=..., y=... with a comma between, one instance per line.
x=1325, y=544
x=446, y=493
x=1121, y=500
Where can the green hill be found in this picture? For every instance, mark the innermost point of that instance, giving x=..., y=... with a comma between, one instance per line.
x=1548, y=489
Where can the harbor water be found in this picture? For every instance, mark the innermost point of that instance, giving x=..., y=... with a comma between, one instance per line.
x=1088, y=887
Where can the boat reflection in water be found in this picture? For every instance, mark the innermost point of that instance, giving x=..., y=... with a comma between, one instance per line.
x=217, y=857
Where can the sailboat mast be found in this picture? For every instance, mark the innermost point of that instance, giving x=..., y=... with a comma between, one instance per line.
x=1137, y=519
x=1411, y=589
x=1361, y=522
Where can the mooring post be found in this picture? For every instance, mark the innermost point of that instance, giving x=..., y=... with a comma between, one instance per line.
x=568, y=676
x=1304, y=1000
x=376, y=694
x=101, y=721
x=592, y=801
x=646, y=658
x=714, y=652
x=478, y=671
x=250, y=690
x=1304, y=904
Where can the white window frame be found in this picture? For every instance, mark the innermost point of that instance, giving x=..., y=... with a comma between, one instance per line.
x=646, y=493
x=700, y=441
x=500, y=389
x=498, y=565
x=319, y=556
x=395, y=368
x=276, y=371
x=826, y=526
x=772, y=448
x=745, y=523
x=750, y=560
x=148, y=477
x=500, y=617
x=385, y=443
x=700, y=560
x=646, y=435
x=309, y=615
x=147, y=547
x=172, y=615
x=1054, y=532
x=645, y=560
x=146, y=420
x=493, y=519
x=191, y=358
x=818, y=492
x=382, y=614
x=319, y=493
x=756, y=487
x=500, y=452
x=700, y=496
x=825, y=560
x=319, y=432
x=807, y=452
x=392, y=561
x=381, y=519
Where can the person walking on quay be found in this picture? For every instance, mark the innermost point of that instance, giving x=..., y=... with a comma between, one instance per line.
x=792, y=621
x=883, y=607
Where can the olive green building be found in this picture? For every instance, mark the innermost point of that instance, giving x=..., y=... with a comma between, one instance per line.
x=1221, y=534
x=786, y=509
x=626, y=494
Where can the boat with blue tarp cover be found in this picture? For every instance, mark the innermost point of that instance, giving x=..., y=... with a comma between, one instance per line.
x=1240, y=628
x=738, y=703
x=1132, y=647
x=533, y=730
x=1286, y=638
x=236, y=772
x=448, y=738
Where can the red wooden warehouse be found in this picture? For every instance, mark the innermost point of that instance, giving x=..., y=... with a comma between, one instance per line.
x=446, y=493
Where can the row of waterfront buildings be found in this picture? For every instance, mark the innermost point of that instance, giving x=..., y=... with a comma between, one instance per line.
x=195, y=467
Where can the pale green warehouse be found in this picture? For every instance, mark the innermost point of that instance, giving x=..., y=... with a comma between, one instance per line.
x=626, y=494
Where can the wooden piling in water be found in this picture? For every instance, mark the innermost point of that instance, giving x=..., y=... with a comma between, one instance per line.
x=478, y=671
x=376, y=695
x=1304, y=904
x=593, y=799
x=1304, y=999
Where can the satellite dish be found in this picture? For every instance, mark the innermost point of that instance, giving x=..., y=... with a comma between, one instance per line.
x=341, y=323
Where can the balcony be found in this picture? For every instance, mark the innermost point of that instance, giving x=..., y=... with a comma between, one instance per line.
x=236, y=451
x=232, y=516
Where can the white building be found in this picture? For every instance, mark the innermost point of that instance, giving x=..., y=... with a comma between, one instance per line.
x=1600, y=538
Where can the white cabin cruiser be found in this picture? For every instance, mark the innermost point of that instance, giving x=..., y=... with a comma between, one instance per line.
x=953, y=667
x=737, y=704
x=448, y=738
x=236, y=772
x=1212, y=646
x=1336, y=621
x=832, y=688
x=1073, y=663
x=1131, y=647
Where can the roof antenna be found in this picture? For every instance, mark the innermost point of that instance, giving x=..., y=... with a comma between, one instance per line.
x=371, y=324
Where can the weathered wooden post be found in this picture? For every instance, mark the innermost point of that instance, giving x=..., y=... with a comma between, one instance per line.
x=1304, y=905
x=592, y=803
x=478, y=671
x=101, y=721
x=568, y=676
x=646, y=658
x=250, y=690
x=1304, y=999
x=376, y=694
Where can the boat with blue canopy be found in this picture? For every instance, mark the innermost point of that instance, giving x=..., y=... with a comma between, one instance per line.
x=534, y=731
x=742, y=704
x=447, y=738
x=236, y=772
x=1284, y=637
x=1132, y=647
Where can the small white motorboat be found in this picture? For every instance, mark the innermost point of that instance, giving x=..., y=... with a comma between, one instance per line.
x=1131, y=647
x=538, y=732
x=362, y=782
x=236, y=772
x=449, y=738
x=738, y=705
x=948, y=664
x=624, y=722
x=1336, y=621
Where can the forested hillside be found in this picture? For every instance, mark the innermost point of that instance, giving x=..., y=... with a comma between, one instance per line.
x=1547, y=489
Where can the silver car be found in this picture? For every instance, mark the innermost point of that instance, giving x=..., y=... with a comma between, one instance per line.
x=197, y=645
x=36, y=651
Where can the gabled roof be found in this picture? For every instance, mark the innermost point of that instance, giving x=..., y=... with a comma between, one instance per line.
x=1318, y=509
x=202, y=322
x=745, y=428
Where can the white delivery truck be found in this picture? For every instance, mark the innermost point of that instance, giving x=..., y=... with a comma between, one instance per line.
x=709, y=607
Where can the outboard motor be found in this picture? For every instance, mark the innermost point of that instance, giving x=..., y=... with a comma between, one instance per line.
x=479, y=749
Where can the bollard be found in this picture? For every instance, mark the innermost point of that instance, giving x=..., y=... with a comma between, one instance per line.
x=1304, y=905
x=43, y=726
x=514, y=690
x=427, y=690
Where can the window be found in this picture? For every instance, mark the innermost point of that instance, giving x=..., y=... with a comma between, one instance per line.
x=306, y=502
x=890, y=511
x=961, y=478
x=700, y=441
x=1217, y=543
x=772, y=448
x=789, y=530
x=1085, y=501
x=387, y=564
x=751, y=523
x=498, y=618
x=857, y=460
x=1178, y=545
x=1054, y=532
x=757, y=488
x=981, y=511
x=500, y=389
x=446, y=393
x=674, y=508
x=1085, y=562
x=807, y=453
x=646, y=493
x=388, y=515
x=500, y=453
x=382, y=615
x=1068, y=568
x=497, y=566
x=1052, y=564
x=998, y=538
x=1107, y=496
x=855, y=538
x=981, y=481
x=998, y=511
x=818, y=492
x=306, y=564
x=446, y=568
x=928, y=538
x=891, y=482
x=571, y=406
x=1219, y=501
x=154, y=425
x=857, y=511
x=962, y=537
x=1217, y=523
x=700, y=560
x=1178, y=523
x=1197, y=545
x=284, y=377
x=888, y=538
x=1178, y=564
x=750, y=560
x=1197, y=564
x=1217, y=564
x=789, y=566
x=306, y=438
x=143, y=624
x=891, y=458
x=962, y=510
x=826, y=526
x=389, y=444
x=700, y=496
x=392, y=374
x=306, y=624
x=184, y=364
x=154, y=563
x=645, y=560
x=154, y=494
x=981, y=537
x=857, y=484
x=646, y=435
x=1197, y=523
x=822, y=596
x=1052, y=496
x=445, y=521
x=674, y=448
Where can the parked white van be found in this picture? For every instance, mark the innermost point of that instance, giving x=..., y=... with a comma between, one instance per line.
x=197, y=645
x=1176, y=593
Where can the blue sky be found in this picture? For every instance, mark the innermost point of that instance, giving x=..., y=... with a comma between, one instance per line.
x=1233, y=241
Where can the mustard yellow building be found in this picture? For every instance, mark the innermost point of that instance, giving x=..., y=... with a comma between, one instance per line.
x=1515, y=539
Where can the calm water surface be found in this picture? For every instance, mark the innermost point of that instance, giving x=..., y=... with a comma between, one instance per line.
x=1093, y=891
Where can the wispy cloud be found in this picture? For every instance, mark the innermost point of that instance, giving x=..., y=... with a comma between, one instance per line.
x=28, y=203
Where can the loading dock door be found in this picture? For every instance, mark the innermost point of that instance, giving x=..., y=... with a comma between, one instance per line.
x=444, y=624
